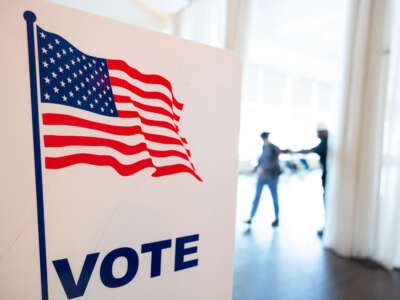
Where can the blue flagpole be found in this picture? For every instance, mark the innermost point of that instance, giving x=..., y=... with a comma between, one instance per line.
x=30, y=18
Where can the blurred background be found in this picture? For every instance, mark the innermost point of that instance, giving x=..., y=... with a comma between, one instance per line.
x=292, y=58
x=306, y=64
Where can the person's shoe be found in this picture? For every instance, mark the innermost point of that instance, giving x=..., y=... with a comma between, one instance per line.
x=320, y=233
x=275, y=223
x=248, y=221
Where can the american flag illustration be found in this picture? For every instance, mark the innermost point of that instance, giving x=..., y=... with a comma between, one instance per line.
x=104, y=112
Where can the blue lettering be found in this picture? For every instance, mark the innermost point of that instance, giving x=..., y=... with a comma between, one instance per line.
x=181, y=251
x=72, y=289
x=106, y=274
x=156, y=249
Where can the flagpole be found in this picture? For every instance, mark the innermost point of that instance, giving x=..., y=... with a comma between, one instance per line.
x=30, y=18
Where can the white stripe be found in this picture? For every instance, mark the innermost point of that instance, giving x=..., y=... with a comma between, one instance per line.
x=71, y=111
x=94, y=117
x=153, y=102
x=123, y=159
x=148, y=87
x=61, y=130
x=144, y=113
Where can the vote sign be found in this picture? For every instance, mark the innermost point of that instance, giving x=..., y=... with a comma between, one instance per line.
x=119, y=160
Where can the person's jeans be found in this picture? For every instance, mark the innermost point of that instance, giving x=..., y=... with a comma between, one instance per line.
x=273, y=187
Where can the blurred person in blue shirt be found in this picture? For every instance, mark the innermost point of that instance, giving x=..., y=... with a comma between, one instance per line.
x=268, y=174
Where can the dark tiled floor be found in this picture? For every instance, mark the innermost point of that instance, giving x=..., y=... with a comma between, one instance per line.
x=289, y=262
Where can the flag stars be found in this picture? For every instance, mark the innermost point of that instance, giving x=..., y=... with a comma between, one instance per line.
x=47, y=96
x=42, y=35
x=72, y=78
x=45, y=64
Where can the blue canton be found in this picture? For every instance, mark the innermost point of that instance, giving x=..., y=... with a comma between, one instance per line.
x=70, y=77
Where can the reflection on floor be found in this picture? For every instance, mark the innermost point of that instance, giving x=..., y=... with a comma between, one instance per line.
x=289, y=262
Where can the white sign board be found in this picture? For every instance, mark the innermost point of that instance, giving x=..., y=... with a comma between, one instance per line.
x=118, y=159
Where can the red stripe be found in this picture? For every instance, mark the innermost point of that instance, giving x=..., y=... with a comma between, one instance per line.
x=63, y=141
x=153, y=109
x=149, y=108
x=146, y=78
x=144, y=94
x=124, y=170
x=143, y=120
x=97, y=160
x=173, y=169
x=61, y=119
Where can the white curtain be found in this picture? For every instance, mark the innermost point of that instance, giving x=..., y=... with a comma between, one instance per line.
x=238, y=25
x=219, y=23
x=130, y=11
x=388, y=241
x=202, y=21
x=362, y=218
